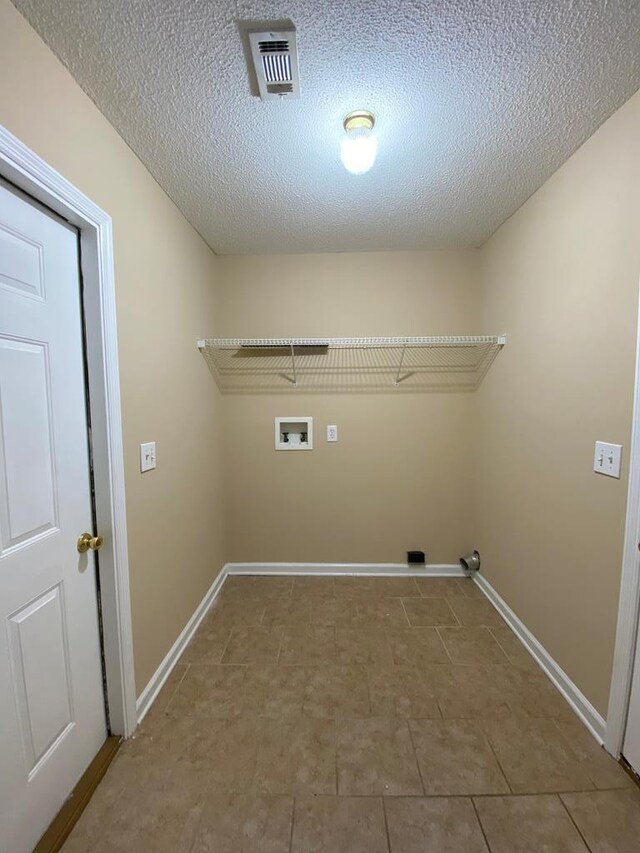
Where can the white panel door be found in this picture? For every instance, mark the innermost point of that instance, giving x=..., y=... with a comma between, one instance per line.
x=52, y=717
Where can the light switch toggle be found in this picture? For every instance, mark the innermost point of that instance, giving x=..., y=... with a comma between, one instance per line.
x=607, y=459
x=147, y=456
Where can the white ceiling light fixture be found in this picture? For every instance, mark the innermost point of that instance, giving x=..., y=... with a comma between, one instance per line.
x=359, y=146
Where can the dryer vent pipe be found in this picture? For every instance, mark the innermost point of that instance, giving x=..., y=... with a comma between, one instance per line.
x=470, y=562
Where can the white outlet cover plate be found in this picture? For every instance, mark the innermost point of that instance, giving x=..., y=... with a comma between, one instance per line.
x=332, y=432
x=607, y=459
x=147, y=456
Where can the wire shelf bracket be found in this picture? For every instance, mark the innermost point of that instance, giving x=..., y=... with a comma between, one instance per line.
x=342, y=365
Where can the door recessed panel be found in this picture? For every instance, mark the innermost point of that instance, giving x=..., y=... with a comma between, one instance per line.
x=40, y=667
x=27, y=481
x=21, y=264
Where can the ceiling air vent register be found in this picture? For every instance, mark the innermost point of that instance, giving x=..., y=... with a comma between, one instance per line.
x=275, y=60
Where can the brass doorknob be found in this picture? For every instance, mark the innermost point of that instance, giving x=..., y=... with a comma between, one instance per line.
x=87, y=542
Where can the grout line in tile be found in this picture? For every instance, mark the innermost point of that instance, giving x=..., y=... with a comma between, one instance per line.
x=489, y=627
x=252, y=787
x=231, y=630
x=522, y=794
x=406, y=615
x=578, y=761
x=188, y=667
x=447, y=796
x=280, y=646
x=293, y=817
x=444, y=646
x=484, y=834
x=290, y=793
x=366, y=679
x=175, y=690
x=415, y=757
x=262, y=615
x=564, y=806
x=386, y=823
x=335, y=752
x=596, y=790
x=547, y=793
x=500, y=767
x=454, y=614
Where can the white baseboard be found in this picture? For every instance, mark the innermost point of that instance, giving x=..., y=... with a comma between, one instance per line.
x=148, y=695
x=576, y=699
x=437, y=570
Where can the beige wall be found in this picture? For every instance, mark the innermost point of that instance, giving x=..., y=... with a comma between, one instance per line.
x=164, y=277
x=400, y=475
x=561, y=278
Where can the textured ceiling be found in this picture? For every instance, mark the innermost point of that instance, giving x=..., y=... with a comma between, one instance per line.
x=477, y=103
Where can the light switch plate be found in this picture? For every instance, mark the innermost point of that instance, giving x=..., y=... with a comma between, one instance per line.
x=607, y=459
x=332, y=432
x=147, y=456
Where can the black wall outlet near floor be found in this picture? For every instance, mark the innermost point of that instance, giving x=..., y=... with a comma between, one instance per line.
x=416, y=558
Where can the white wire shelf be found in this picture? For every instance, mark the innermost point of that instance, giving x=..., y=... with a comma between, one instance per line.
x=330, y=365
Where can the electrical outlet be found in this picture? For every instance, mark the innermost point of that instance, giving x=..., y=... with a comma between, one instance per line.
x=147, y=456
x=607, y=459
x=332, y=433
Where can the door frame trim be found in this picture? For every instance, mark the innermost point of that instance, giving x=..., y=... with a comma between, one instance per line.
x=30, y=173
x=629, y=602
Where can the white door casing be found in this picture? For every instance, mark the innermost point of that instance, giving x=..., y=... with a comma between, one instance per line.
x=627, y=637
x=51, y=693
x=28, y=171
x=631, y=745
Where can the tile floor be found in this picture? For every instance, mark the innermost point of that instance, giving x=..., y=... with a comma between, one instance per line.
x=386, y=715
